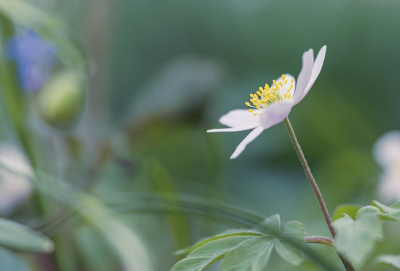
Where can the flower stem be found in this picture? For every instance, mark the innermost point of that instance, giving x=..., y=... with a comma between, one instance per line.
x=314, y=187
x=319, y=240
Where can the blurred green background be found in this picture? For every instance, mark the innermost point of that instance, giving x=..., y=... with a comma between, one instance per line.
x=163, y=72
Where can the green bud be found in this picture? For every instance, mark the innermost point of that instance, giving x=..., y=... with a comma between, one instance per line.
x=61, y=101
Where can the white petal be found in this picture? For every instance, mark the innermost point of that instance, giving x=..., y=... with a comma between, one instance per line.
x=276, y=113
x=304, y=75
x=288, y=77
x=235, y=129
x=387, y=148
x=319, y=61
x=239, y=118
x=250, y=137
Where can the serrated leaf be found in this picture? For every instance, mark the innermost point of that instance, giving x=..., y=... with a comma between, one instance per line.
x=356, y=239
x=290, y=240
x=392, y=260
x=252, y=253
x=222, y=235
x=17, y=236
x=242, y=257
x=209, y=253
x=349, y=209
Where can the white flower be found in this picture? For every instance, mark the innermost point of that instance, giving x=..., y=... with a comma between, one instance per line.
x=271, y=105
x=387, y=154
x=14, y=173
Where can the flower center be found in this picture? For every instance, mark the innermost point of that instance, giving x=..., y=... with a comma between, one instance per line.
x=268, y=95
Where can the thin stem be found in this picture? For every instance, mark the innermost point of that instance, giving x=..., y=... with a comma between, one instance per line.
x=319, y=240
x=314, y=186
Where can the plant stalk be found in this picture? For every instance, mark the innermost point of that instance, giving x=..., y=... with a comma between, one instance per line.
x=319, y=240
x=314, y=186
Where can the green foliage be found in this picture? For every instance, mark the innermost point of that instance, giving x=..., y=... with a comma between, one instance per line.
x=392, y=260
x=356, y=238
x=17, y=236
x=70, y=52
x=349, y=209
x=11, y=261
x=390, y=213
x=163, y=184
x=244, y=249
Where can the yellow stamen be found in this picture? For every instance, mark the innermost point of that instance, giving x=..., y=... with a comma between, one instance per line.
x=283, y=77
x=255, y=114
x=251, y=110
x=247, y=103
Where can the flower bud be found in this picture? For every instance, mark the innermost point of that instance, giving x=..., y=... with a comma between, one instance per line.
x=61, y=101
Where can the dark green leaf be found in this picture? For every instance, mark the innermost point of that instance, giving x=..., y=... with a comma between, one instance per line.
x=17, y=236
x=349, y=209
x=356, y=239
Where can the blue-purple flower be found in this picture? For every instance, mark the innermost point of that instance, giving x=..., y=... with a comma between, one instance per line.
x=35, y=58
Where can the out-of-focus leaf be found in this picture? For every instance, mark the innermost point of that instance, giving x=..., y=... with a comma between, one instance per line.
x=349, y=209
x=163, y=184
x=126, y=242
x=17, y=236
x=181, y=85
x=10, y=261
x=71, y=53
x=94, y=249
x=356, y=239
x=392, y=260
x=389, y=212
x=252, y=251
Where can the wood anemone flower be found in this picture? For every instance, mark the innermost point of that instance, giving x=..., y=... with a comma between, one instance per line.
x=271, y=105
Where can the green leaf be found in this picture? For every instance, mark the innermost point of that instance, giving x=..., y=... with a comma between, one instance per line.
x=163, y=183
x=209, y=253
x=290, y=241
x=390, y=213
x=349, y=209
x=243, y=256
x=217, y=237
x=356, y=239
x=17, y=236
x=253, y=252
x=11, y=261
x=392, y=260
